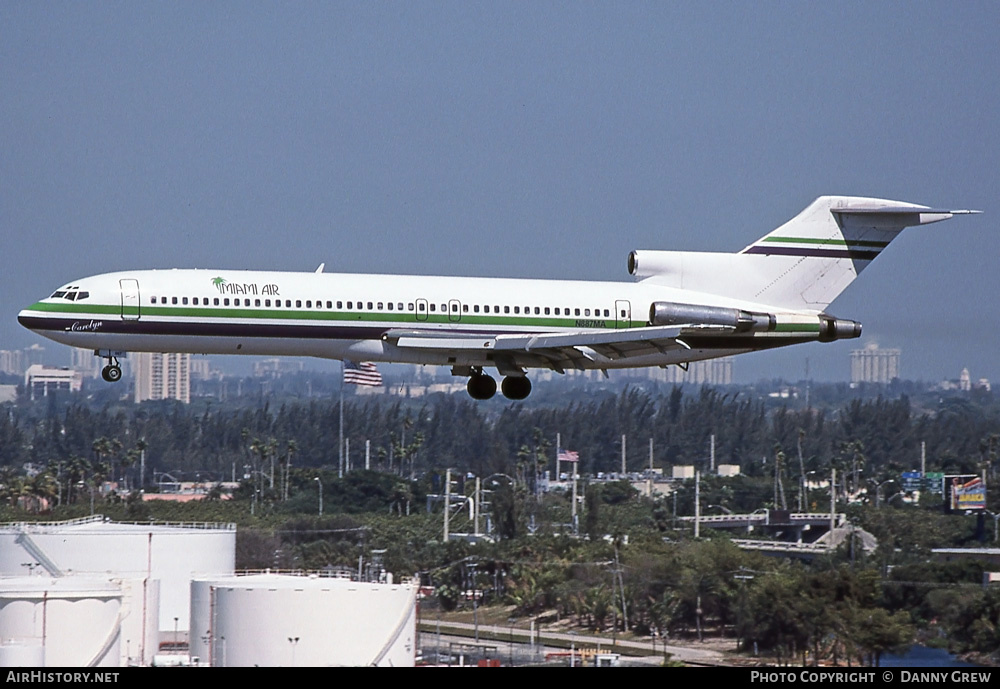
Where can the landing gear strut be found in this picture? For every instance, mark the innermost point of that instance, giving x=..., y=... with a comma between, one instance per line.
x=113, y=371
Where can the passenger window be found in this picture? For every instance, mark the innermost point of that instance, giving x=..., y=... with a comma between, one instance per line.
x=380, y=306
x=475, y=309
x=216, y=301
x=369, y=306
x=536, y=311
x=267, y=302
x=329, y=304
x=506, y=309
x=465, y=308
x=173, y=300
x=517, y=309
x=152, y=300
x=496, y=308
x=389, y=305
x=557, y=310
x=546, y=310
x=576, y=312
x=433, y=307
x=288, y=303
x=409, y=306
x=256, y=302
x=586, y=312
x=444, y=308
x=399, y=305
x=225, y=301
x=309, y=303
x=340, y=304
x=184, y=300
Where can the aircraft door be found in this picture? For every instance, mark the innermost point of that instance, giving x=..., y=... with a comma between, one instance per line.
x=130, y=299
x=454, y=310
x=623, y=313
x=421, y=309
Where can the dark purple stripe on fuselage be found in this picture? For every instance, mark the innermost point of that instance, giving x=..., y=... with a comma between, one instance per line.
x=853, y=254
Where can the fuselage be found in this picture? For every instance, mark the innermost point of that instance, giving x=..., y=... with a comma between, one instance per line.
x=340, y=316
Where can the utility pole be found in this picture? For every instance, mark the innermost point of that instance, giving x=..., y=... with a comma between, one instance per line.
x=447, y=501
x=697, y=504
x=624, y=470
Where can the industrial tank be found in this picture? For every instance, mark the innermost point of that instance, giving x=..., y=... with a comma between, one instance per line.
x=274, y=620
x=170, y=553
x=74, y=621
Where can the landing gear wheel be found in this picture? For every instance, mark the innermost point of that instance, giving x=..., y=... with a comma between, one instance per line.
x=515, y=387
x=111, y=373
x=481, y=387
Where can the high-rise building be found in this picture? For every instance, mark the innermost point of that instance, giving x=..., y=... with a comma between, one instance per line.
x=874, y=365
x=84, y=361
x=16, y=362
x=162, y=377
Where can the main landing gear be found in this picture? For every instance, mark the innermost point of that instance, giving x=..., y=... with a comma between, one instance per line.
x=483, y=387
x=113, y=371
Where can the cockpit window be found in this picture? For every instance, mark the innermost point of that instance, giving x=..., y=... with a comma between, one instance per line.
x=58, y=294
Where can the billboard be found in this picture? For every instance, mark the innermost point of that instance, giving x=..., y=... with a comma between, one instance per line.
x=967, y=493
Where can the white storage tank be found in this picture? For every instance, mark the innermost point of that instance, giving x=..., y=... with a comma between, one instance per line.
x=75, y=621
x=273, y=620
x=16, y=654
x=171, y=553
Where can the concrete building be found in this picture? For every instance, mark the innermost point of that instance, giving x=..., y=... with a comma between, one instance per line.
x=162, y=377
x=40, y=381
x=874, y=365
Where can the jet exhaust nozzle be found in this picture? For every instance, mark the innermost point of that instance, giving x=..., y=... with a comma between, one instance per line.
x=838, y=329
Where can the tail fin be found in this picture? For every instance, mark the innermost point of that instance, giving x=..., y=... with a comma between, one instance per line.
x=804, y=264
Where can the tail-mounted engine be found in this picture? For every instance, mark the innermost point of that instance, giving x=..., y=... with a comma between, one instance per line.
x=670, y=313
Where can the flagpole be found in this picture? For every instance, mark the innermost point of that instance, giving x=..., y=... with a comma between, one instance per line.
x=340, y=441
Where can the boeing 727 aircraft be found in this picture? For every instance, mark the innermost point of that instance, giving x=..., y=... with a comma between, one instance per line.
x=682, y=307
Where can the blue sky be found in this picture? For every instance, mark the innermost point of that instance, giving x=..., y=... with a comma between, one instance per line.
x=505, y=139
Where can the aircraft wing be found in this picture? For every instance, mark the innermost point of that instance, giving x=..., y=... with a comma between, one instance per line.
x=557, y=350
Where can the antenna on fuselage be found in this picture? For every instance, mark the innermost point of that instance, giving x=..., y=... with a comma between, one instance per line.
x=321, y=267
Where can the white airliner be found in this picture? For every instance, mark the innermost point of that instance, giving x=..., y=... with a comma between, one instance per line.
x=682, y=307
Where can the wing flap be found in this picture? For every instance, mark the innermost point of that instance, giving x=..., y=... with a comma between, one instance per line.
x=553, y=350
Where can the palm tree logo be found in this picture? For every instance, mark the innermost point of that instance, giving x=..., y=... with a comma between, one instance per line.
x=219, y=283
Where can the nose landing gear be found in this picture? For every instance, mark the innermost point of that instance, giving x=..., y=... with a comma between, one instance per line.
x=112, y=373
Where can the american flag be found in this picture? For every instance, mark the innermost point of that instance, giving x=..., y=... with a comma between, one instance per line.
x=568, y=456
x=364, y=373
